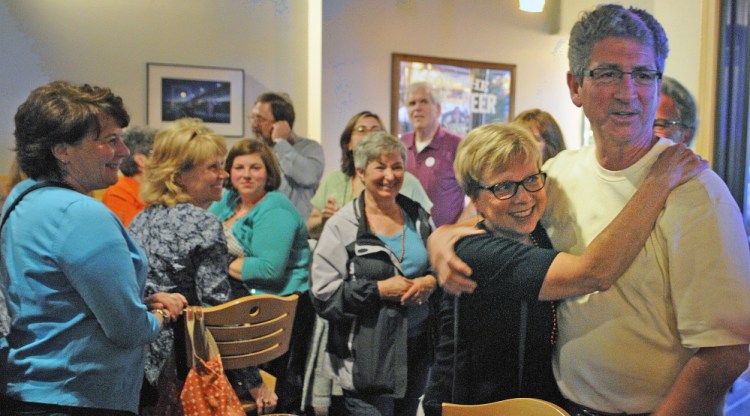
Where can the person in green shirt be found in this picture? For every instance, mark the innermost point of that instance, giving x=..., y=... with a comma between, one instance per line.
x=341, y=186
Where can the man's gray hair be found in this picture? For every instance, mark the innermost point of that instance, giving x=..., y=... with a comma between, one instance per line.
x=684, y=101
x=613, y=20
x=138, y=140
x=376, y=144
x=423, y=86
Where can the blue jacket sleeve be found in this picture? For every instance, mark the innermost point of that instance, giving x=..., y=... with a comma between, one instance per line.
x=97, y=256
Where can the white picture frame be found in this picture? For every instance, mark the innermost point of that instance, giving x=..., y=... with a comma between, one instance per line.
x=215, y=95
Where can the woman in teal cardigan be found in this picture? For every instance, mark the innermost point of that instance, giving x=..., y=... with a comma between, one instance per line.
x=267, y=239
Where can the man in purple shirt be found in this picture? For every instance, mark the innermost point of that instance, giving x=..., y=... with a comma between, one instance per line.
x=430, y=152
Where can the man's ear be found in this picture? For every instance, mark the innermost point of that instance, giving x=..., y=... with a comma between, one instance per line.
x=687, y=134
x=575, y=90
x=140, y=160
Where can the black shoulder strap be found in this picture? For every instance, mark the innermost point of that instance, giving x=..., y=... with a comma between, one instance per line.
x=23, y=194
x=456, y=316
x=522, y=344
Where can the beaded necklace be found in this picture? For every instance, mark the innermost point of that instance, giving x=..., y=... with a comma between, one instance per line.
x=553, y=335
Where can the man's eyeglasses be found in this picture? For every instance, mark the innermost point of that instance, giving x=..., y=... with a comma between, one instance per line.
x=507, y=189
x=255, y=118
x=609, y=76
x=662, y=123
x=365, y=129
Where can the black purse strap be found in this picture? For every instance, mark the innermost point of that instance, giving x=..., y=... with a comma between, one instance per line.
x=456, y=316
x=523, y=328
x=24, y=193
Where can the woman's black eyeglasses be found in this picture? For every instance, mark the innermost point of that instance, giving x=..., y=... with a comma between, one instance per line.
x=507, y=189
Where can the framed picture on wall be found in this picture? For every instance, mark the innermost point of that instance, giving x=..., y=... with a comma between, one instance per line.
x=472, y=93
x=215, y=95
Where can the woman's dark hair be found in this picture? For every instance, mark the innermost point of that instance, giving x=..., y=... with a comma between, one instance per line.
x=61, y=113
x=249, y=147
x=548, y=128
x=347, y=156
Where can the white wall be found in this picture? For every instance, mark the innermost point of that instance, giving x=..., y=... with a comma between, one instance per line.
x=360, y=35
x=109, y=42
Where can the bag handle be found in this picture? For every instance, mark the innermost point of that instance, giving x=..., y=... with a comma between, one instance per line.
x=522, y=330
x=454, y=393
x=199, y=337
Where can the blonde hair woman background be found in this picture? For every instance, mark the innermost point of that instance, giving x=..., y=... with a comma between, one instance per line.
x=186, y=249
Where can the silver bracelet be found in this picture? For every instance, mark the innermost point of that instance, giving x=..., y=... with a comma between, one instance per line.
x=164, y=315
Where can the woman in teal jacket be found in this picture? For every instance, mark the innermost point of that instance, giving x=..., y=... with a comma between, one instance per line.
x=267, y=239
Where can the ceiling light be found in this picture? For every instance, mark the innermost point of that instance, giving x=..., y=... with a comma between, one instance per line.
x=534, y=6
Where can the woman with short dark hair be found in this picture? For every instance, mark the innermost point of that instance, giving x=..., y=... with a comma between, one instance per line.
x=74, y=277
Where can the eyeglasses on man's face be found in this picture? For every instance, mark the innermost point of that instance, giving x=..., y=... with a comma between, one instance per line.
x=507, y=189
x=258, y=119
x=365, y=129
x=664, y=124
x=610, y=76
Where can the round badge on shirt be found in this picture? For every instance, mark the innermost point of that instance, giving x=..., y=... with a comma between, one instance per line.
x=430, y=162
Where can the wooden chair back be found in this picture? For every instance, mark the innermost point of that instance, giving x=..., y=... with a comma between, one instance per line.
x=509, y=407
x=251, y=330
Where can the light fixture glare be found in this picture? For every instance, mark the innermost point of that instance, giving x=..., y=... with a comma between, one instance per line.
x=534, y=6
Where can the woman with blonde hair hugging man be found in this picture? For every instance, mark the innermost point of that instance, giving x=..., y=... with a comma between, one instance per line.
x=186, y=250
x=506, y=329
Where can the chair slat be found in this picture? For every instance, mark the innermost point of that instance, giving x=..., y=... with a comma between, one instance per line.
x=250, y=309
x=252, y=330
x=248, y=332
x=510, y=407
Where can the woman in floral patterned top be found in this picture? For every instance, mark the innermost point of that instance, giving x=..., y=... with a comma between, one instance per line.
x=186, y=249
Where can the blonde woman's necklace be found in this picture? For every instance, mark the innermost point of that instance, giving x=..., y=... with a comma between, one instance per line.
x=553, y=335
